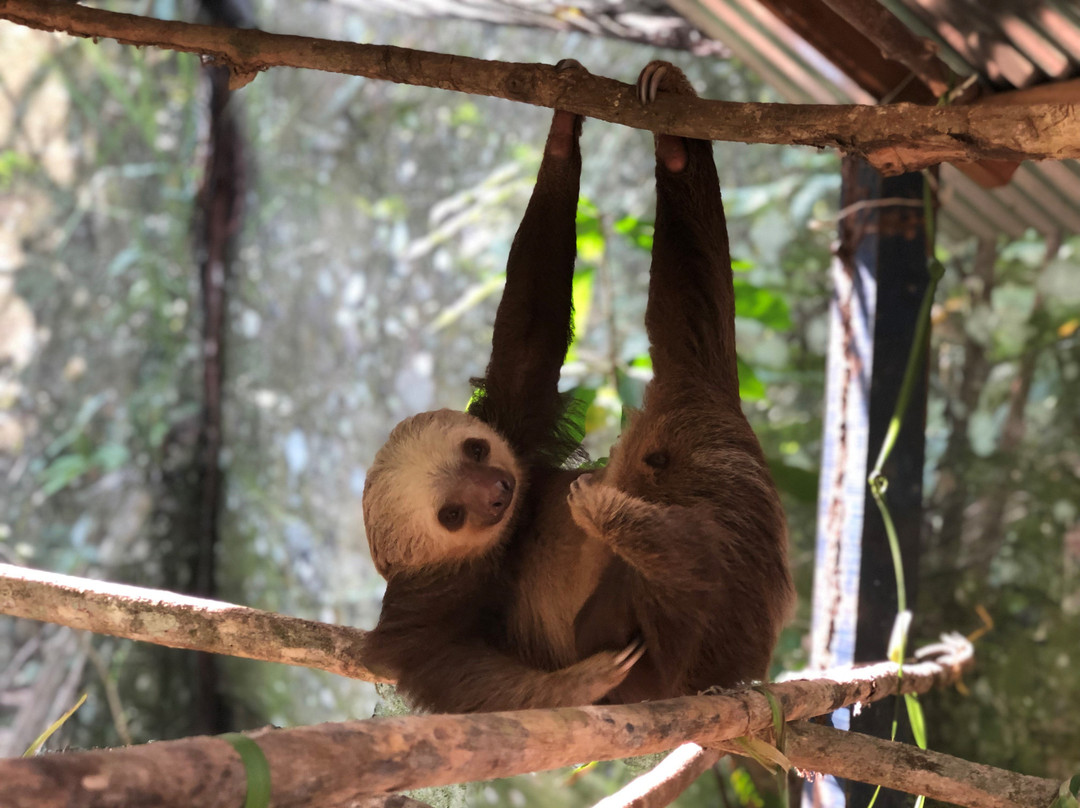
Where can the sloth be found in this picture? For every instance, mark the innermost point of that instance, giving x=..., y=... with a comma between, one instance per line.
x=517, y=581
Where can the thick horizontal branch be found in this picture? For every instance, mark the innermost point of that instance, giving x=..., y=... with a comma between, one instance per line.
x=330, y=763
x=894, y=138
x=164, y=618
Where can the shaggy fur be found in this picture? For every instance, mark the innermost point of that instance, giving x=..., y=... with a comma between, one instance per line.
x=663, y=574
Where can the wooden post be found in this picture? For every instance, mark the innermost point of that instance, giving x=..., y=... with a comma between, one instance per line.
x=879, y=278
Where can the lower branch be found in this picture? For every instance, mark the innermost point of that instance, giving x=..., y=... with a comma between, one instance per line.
x=898, y=766
x=178, y=621
x=330, y=764
x=893, y=138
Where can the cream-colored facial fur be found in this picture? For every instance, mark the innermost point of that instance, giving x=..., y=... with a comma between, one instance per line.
x=403, y=493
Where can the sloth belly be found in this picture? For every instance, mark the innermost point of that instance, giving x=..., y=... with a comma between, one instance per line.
x=559, y=570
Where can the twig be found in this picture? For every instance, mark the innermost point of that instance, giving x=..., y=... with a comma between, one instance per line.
x=895, y=138
x=666, y=781
x=178, y=621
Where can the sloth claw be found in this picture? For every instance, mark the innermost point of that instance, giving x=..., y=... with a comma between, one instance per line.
x=595, y=676
x=569, y=64
x=630, y=654
x=660, y=76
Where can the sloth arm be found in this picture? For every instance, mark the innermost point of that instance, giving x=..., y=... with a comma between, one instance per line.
x=439, y=638
x=519, y=395
x=470, y=676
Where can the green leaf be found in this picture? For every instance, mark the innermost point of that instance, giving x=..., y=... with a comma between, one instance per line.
x=256, y=768
x=53, y=727
x=917, y=719
x=764, y=753
x=898, y=637
x=582, y=294
x=631, y=388
x=794, y=481
x=637, y=232
x=63, y=471
x=1068, y=794
x=577, y=413
x=751, y=388
x=111, y=456
x=763, y=305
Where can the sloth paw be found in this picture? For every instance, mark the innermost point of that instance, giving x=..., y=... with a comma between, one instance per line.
x=565, y=126
x=596, y=676
x=585, y=501
x=657, y=77
x=593, y=504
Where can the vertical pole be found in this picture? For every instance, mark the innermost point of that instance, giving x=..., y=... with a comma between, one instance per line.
x=879, y=277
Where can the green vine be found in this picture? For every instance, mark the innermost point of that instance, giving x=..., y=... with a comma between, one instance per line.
x=879, y=483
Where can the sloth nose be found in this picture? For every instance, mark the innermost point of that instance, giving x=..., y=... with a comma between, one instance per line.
x=502, y=491
x=488, y=494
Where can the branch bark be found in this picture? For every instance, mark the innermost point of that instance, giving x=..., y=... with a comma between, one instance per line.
x=178, y=621
x=854, y=756
x=893, y=138
x=331, y=764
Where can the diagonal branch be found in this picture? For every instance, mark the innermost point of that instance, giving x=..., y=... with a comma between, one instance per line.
x=178, y=621
x=894, y=138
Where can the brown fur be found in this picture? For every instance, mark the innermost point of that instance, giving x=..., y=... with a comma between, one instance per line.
x=679, y=542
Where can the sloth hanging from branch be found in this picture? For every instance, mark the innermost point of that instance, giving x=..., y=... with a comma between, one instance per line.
x=516, y=582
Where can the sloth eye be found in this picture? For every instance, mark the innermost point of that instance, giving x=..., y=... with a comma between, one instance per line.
x=476, y=449
x=452, y=517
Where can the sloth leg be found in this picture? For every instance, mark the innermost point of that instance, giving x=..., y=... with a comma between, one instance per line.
x=691, y=310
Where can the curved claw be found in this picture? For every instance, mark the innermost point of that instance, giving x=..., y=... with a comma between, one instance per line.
x=569, y=64
x=648, y=82
x=630, y=654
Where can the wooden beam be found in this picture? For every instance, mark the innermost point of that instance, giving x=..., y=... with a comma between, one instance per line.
x=896, y=42
x=850, y=49
x=879, y=277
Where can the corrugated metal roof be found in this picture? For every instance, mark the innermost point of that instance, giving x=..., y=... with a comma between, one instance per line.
x=1010, y=44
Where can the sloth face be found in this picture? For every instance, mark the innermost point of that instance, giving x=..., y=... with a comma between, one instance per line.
x=443, y=489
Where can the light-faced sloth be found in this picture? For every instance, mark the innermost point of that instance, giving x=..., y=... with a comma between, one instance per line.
x=515, y=582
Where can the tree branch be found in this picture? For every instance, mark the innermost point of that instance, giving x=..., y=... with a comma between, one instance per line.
x=817, y=748
x=178, y=621
x=330, y=764
x=894, y=138
x=854, y=756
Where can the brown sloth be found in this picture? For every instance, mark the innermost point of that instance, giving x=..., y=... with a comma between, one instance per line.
x=516, y=582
